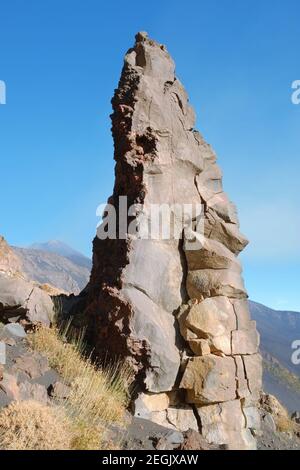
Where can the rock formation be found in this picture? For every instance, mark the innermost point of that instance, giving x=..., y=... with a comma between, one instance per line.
x=174, y=309
x=20, y=298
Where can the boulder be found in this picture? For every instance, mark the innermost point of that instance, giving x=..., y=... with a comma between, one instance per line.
x=219, y=282
x=59, y=390
x=19, y=297
x=212, y=317
x=226, y=233
x=193, y=440
x=9, y=385
x=146, y=403
x=15, y=329
x=36, y=392
x=252, y=416
x=221, y=345
x=269, y=422
x=209, y=379
x=211, y=255
x=32, y=363
x=223, y=207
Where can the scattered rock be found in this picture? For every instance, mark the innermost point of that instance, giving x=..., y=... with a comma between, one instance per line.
x=59, y=390
x=169, y=441
x=9, y=341
x=194, y=441
x=269, y=421
x=36, y=392
x=9, y=385
x=20, y=298
x=32, y=363
x=15, y=329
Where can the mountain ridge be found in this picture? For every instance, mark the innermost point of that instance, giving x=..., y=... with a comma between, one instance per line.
x=46, y=264
x=62, y=249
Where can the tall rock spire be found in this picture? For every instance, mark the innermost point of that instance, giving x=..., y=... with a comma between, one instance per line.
x=174, y=308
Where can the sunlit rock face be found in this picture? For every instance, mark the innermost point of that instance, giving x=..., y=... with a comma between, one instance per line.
x=174, y=309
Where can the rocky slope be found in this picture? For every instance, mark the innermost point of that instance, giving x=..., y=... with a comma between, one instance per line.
x=278, y=330
x=21, y=299
x=58, y=264
x=69, y=273
x=62, y=249
x=27, y=377
x=66, y=269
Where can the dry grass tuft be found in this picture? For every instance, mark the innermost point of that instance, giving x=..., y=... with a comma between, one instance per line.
x=96, y=394
x=285, y=424
x=87, y=436
x=29, y=425
x=97, y=398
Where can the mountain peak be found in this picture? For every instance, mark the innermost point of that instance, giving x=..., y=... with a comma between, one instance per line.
x=63, y=249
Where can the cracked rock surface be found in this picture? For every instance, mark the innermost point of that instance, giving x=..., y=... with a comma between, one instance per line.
x=177, y=315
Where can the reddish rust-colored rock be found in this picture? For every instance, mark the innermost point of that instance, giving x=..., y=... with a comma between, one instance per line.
x=174, y=309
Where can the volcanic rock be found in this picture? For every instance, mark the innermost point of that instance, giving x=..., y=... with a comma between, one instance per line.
x=168, y=298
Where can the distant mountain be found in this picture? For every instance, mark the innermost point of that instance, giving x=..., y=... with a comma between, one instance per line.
x=62, y=249
x=278, y=329
x=55, y=263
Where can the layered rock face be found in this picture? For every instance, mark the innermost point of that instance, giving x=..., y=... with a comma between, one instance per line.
x=174, y=308
x=20, y=298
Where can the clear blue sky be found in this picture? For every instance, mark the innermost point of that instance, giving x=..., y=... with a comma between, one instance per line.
x=61, y=61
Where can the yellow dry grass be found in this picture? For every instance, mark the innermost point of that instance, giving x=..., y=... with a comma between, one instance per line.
x=285, y=424
x=96, y=394
x=98, y=397
x=29, y=425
